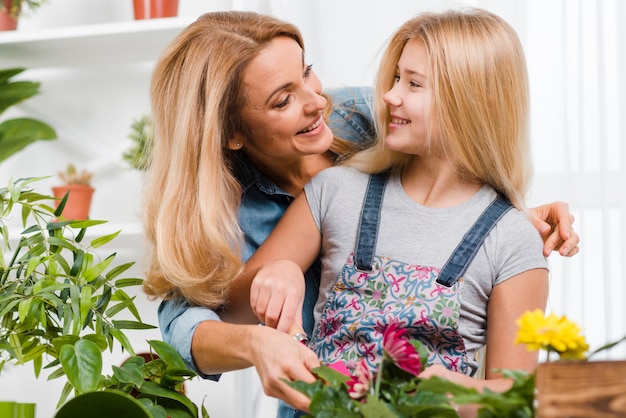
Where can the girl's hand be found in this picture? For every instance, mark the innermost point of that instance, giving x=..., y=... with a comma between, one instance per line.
x=277, y=294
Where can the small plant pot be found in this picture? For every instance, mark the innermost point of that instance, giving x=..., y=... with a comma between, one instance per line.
x=7, y=22
x=581, y=389
x=78, y=202
x=152, y=9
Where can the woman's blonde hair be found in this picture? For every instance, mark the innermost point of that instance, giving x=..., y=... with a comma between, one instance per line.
x=480, y=98
x=192, y=197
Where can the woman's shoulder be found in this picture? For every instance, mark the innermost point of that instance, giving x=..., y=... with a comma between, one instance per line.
x=351, y=116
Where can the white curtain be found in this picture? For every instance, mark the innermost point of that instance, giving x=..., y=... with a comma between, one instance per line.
x=576, y=53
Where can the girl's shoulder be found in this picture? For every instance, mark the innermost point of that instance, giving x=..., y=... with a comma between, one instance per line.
x=337, y=180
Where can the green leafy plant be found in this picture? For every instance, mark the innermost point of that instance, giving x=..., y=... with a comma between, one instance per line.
x=395, y=389
x=17, y=133
x=141, y=133
x=61, y=303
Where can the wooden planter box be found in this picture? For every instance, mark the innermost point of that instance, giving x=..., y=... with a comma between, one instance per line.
x=594, y=389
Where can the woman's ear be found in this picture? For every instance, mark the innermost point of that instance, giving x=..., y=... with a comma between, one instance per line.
x=236, y=142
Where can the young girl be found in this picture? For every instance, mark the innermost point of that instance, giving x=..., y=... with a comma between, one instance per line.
x=419, y=229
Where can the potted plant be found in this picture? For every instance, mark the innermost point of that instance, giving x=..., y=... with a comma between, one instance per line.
x=17, y=133
x=60, y=304
x=151, y=9
x=141, y=134
x=10, y=11
x=75, y=194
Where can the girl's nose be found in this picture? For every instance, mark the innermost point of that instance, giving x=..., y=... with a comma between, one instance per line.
x=391, y=98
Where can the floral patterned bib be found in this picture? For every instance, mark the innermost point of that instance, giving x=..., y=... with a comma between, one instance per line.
x=372, y=291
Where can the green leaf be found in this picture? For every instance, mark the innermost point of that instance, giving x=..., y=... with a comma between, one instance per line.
x=330, y=375
x=154, y=389
x=128, y=373
x=15, y=92
x=82, y=364
x=117, y=270
x=94, y=271
x=85, y=303
x=17, y=134
x=132, y=325
x=168, y=354
x=172, y=377
x=100, y=241
x=375, y=408
x=122, y=339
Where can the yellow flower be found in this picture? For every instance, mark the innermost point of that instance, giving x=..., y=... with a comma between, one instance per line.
x=551, y=333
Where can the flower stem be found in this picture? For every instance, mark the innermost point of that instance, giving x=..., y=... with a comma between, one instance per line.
x=379, y=376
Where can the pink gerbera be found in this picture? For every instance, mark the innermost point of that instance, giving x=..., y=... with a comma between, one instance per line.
x=359, y=385
x=400, y=350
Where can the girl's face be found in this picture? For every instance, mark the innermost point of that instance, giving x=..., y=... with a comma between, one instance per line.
x=410, y=103
x=283, y=105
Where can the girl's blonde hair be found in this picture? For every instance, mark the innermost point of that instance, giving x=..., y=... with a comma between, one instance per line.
x=480, y=98
x=192, y=197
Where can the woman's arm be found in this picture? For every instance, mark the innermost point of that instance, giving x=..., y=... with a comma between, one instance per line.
x=220, y=347
x=554, y=223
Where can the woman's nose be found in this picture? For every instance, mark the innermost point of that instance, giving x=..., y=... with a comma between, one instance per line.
x=314, y=102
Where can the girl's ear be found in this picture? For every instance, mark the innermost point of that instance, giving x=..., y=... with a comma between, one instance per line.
x=236, y=142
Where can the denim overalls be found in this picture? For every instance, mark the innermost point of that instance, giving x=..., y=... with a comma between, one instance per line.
x=371, y=291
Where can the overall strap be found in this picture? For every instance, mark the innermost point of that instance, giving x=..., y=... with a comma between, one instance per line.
x=465, y=252
x=368, y=225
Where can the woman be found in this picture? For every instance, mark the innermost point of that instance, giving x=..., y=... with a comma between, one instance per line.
x=239, y=131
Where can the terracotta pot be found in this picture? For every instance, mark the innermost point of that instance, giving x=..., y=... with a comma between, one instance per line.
x=151, y=9
x=7, y=22
x=78, y=202
x=581, y=389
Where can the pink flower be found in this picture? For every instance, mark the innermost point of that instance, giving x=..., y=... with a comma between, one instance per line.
x=359, y=385
x=400, y=350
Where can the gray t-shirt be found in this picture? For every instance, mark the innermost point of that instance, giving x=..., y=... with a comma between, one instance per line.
x=422, y=235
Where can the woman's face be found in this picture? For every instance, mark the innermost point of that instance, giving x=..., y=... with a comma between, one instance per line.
x=283, y=106
x=410, y=103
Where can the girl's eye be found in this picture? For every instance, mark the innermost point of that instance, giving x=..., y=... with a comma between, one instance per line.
x=414, y=84
x=307, y=70
x=396, y=79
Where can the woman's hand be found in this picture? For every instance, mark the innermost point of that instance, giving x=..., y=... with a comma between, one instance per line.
x=277, y=294
x=554, y=223
x=279, y=356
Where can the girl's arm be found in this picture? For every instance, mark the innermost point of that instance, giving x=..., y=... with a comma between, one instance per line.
x=508, y=301
x=272, y=283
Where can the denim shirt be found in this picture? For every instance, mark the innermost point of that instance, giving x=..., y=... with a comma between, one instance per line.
x=262, y=205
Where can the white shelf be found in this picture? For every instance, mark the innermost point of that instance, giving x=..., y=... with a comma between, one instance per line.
x=91, y=45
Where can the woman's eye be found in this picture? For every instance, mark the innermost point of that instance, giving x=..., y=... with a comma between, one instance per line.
x=414, y=84
x=396, y=79
x=308, y=70
x=283, y=103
